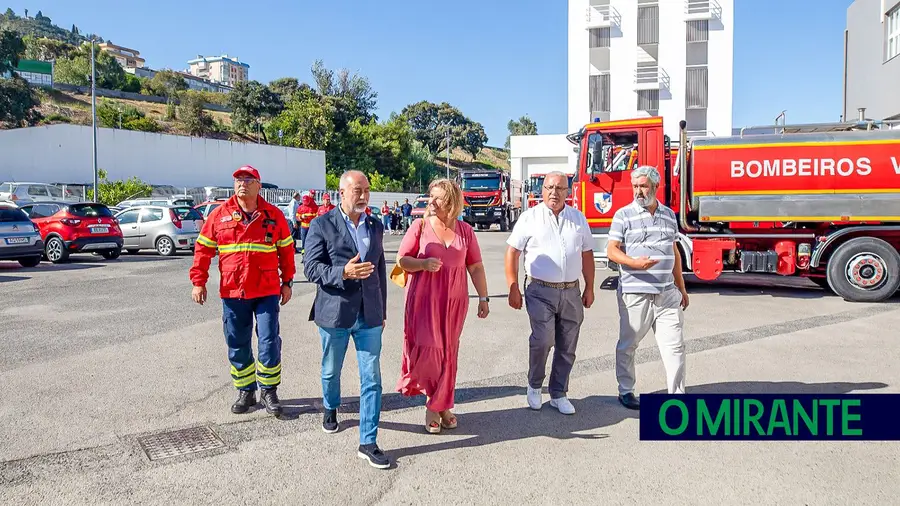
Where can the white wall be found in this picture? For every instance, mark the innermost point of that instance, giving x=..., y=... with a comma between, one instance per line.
x=536, y=154
x=63, y=154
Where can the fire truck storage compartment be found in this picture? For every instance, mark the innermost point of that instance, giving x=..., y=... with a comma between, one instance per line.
x=759, y=261
x=796, y=177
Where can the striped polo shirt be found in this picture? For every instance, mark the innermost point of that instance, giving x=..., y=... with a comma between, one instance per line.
x=643, y=234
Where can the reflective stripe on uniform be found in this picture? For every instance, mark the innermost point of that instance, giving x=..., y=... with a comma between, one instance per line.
x=205, y=241
x=268, y=376
x=244, y=377
x=287, y=241
x=242, y=247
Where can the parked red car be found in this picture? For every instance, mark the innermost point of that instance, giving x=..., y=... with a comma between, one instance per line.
x=83, y=227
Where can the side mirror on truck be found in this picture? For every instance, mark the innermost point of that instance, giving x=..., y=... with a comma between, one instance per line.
x=595, y=164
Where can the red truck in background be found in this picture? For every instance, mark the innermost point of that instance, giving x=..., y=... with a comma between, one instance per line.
x=534, y=190
x=822, y=205
x=490, y=196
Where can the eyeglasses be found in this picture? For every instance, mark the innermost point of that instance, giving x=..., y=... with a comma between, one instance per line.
x=245, y=180
x=557, y=189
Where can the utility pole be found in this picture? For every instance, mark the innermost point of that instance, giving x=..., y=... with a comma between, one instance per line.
x=448, y=151
x=94, y=122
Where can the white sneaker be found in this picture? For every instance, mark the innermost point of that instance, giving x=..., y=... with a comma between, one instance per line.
x=563, y=405
x=534, y=398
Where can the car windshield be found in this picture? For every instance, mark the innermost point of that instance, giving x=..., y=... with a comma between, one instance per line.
x=90, y=211
x=421, y=203
x=10, y=215
x=188, y=213
x=486, y=183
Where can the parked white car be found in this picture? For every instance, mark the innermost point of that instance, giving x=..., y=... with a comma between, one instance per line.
x=166, y=229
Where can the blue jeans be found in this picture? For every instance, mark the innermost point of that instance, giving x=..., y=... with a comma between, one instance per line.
x=303, y=232
x=367, y=341
x=237, y=321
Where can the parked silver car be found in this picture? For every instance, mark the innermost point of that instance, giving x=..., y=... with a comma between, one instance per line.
x=19, y=237
x=163, y=228
x=26, y=193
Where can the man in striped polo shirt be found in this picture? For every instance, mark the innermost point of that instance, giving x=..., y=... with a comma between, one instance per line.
x=651, y=290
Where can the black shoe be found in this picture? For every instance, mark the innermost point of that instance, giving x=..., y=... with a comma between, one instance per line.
x=630, y=401
x=246, y=400
x=270, y=400
x=374, y=455
x=329, y=421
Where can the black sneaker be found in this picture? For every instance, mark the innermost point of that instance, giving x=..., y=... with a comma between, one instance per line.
x=246, y=399
x=374, y=455
x=329, y=421
x=271, y=402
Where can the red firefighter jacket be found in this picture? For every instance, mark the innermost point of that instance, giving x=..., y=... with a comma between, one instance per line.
x=324, y=208
x=307, y=211
x=250, y=252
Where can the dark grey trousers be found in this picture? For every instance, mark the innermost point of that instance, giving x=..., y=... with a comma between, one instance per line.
x=556, y=315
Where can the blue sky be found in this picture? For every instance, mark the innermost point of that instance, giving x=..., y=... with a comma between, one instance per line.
x=502, y=58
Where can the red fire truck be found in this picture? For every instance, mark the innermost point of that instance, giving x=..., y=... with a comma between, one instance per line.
x=822, y=205
x=490, y=196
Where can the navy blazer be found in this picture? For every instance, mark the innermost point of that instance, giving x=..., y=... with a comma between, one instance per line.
x=329, y=246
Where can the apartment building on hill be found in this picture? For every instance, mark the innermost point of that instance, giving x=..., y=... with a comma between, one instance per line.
x=219, y=69
x=126, y=57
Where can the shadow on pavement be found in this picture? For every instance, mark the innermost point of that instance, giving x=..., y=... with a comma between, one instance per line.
x=395, y=401
x=8, y=279
x=501, y=426
x=45, y=266
x=728, y=287
x=779, y=387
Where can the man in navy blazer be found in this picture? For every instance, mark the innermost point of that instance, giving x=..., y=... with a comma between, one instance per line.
x=345, y=258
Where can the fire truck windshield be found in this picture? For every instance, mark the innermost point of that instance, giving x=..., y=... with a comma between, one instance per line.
x=477, y=184
x=619, y=151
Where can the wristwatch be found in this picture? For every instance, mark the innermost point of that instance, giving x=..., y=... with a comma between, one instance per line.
x=484, y=299
x=289, y=284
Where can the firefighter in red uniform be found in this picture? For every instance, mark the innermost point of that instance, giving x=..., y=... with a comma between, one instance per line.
x=326, y=205
x=253, y=241
x=305, y=214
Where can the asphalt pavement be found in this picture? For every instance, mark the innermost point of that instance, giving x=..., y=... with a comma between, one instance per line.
x=95, y=356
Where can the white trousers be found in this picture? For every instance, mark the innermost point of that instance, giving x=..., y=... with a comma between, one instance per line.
x=640, y=312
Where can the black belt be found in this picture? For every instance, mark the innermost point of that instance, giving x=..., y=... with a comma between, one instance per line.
x=564, y=284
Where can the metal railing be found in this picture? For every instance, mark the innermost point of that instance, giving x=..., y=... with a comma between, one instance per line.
x=599, y=16
x=693, y=8
x=651, y=76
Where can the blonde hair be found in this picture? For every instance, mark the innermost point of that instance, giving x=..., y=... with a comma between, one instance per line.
x=453, y=199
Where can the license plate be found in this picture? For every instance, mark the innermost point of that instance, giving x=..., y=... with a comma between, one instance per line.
x=479, y=213
x=100, y=230
x=16, y=240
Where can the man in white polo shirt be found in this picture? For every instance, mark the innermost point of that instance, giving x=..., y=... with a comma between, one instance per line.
x=651, y=288
x=558, y=247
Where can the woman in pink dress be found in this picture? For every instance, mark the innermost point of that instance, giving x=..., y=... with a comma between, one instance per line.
x=439, y=252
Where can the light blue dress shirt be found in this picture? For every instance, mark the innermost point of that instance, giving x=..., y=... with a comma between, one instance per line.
x=360, y=234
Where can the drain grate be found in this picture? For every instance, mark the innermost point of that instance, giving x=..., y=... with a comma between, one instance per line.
x=180, y=442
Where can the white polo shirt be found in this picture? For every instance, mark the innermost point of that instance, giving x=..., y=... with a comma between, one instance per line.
x=552, y=245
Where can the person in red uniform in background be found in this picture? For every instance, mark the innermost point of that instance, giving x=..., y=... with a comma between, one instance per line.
x=326, y=205
x=253, y=241
x=305, y=214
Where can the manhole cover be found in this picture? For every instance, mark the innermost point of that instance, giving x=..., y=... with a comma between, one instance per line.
x=180, y=442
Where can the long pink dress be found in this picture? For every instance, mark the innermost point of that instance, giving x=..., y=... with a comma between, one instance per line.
x=436, y=307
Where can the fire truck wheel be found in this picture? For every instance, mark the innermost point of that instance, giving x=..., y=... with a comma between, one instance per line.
x=864, y=269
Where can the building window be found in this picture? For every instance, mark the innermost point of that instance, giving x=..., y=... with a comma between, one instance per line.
x=696, y=88
x=698, y=31
x=599, y=90
x=599, y=37
x=648, y=25
x=893, y=33
x=648, y=101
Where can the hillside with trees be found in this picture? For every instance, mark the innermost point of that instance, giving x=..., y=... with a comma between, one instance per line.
x=331, y=110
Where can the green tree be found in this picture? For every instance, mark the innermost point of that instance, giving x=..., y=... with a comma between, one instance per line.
x=46, y=49
x=306, y=122
x=195, y=120
x=113, y=192
x=76, y=69
x=251, y=102
x=287, y=88
x=522, y=126
x=351, y=94
x=431, y=124
x=472, y=138
x=11, y=49
x=169, y=84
